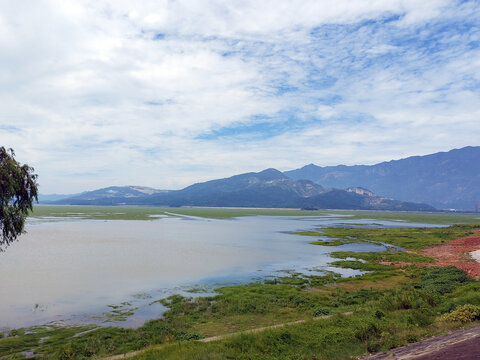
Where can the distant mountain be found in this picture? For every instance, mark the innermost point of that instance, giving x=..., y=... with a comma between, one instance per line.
x=444, y=180
x=46, y=198
x=268, y=188
x=112, y=194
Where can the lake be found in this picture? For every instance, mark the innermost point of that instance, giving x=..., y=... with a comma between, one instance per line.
x=78, y=271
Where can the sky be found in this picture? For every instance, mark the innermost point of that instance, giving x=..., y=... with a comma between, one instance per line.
x=167, y=93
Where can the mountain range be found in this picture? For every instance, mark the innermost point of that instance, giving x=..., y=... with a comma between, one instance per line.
x=443, y=180
x=268, y=188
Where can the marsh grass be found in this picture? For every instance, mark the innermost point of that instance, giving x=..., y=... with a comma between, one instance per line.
x=119, y=312
x=54, y=342
x=386, y=314
x=382, y=319
x=406, y=238
x=59, y=212
x=391, y=307
x=151, y=213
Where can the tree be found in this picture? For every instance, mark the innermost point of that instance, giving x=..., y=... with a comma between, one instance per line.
x=18, y=189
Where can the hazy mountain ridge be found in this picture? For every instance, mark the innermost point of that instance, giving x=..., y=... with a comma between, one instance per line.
x=444, y=180
x=114, y=193
x=268, y=188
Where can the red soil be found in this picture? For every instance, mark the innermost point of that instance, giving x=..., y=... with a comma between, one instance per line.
x=457, y=253
x=453, y=253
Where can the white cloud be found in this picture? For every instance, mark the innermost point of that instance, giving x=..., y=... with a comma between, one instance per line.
x=91, y=99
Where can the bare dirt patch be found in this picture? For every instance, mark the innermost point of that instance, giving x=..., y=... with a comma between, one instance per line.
x=457, y=253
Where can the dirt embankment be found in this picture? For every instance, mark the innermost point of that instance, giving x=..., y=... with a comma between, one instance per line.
x=457, y=253
x=461, y=344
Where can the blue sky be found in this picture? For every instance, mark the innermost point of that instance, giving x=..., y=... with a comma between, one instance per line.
x=167, y=93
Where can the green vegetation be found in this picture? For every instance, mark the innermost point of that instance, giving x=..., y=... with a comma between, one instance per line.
x=392, y=306
x=385, y=314
x=18, y=191
x=119, y=312
x=376, y=263
x=416, y=217
x=152, y=213
x=50, y=212
x=406, y=238
x=389, y=307
x=146, y=213
x=382, y=319
x=84, y=342
x=332, y=339
x=243, y=307
x=464, y=314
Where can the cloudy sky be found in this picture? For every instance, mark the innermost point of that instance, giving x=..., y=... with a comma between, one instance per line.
x=165, y=93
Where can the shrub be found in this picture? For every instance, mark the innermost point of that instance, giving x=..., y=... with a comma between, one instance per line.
x=406, y=300
x=366, y=331
x=464, y=314
x=420, y=317
x=412, y=338
x=443, y=280
x=321, y=312
x=373, y=346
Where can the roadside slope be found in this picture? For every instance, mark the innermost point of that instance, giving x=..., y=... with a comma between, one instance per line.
x=461, y=344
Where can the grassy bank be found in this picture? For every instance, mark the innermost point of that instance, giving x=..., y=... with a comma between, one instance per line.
x=150, y=213
x=405, y=238
x=391, y=306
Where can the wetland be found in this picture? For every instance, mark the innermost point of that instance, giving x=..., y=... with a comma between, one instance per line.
x=90, y=282
x=74, y=270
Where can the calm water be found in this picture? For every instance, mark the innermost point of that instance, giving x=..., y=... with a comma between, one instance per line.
x=70, y=271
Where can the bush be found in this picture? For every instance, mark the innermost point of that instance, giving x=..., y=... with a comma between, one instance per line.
x=321, y=312
x=366, y=331
x=443, y=280
x=420, y=317
x=464, y=314
x=406, y=299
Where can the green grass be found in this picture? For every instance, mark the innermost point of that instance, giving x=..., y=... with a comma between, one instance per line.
x=383, y=319
x=97, y=212
x=391, y=307
x=119, y=312
x=376, y=264
x=144, y=213
x=87, y=341
x=310, y=340
x=406, y=310
x=243, y=307
x=416, y=217
x=406, y=238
